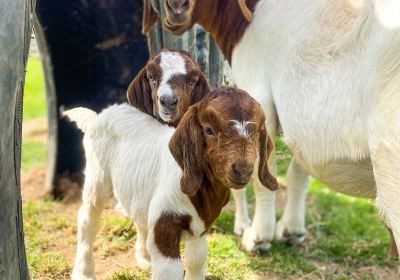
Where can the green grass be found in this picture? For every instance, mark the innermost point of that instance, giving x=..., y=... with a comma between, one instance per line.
x=344, y=234
x=283, y=156
x=129, y=274
x=346, y=230
x=34, y=90
x=117, y=235
x=34, y=153
x=42, y=229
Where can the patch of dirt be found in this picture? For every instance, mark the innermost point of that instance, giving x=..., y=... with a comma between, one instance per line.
x=35, y=129
x=70, y=186
x=32, y=185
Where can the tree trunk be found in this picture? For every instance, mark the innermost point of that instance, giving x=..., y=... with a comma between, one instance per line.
x=15, y=31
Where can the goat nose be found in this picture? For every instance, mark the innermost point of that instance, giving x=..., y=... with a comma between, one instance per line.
x=243, y=169
x=179, y=6
x=169, y=101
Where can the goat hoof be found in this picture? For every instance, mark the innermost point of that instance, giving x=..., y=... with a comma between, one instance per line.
x=143, y=263
x=293, y=236
x=252, y=243
x=79, y=276
x=240, y=226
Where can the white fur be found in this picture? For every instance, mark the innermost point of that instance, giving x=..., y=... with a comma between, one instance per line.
x=171, y=63
x=241, y=128
x=128, y=161
x=329, y=71
x=84, y=115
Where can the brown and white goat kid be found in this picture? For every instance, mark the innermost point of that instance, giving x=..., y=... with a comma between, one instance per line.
x=171, y=183
x=169, y=83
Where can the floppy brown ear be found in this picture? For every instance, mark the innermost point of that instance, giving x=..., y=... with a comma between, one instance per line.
x=150, y=16
x=201, y=89
x=186, y=146
x=266, y=147
x=139, y=93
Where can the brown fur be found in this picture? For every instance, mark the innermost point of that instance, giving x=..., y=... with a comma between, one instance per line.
x=226, y=23
x=209, y=201
x=225, y=20
x=143, y=96
x=207, y=161
x=187, y=146
x=393, y=248
x=168, y=231
x=266, y=147
x=149, y=16
x=139, y=93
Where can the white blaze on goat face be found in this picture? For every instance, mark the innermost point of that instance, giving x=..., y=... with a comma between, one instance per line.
x=171, y=63
x=241, y=128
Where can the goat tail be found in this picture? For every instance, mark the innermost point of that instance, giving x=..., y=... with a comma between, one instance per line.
x=83, y=117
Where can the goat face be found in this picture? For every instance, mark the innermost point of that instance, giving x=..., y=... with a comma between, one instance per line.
x=178, y=15
x=220, y=139
x=181, y=15
x=168, y=85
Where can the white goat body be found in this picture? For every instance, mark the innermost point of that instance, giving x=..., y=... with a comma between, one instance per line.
x=328, y=72
x=128, y=160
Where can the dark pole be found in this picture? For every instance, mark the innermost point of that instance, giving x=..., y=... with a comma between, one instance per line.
x=91, y=51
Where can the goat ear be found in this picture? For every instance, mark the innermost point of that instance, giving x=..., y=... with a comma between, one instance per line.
x=266, y=147
x=150, y=16
x=139, y=93
x=201, y=89
x=186, y=146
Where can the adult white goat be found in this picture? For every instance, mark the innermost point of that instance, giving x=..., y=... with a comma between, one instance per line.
x=327, y=72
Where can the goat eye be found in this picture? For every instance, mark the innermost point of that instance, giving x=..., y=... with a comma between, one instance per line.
x=208, y=131
x=152, y=80
x=192, y=82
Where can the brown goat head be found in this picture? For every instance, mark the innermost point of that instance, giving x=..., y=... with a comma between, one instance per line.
x=181, y=15
x=169, y=83
x=220, y=139
x=178, y=15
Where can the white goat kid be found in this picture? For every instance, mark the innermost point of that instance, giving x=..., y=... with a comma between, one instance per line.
x=111, y=174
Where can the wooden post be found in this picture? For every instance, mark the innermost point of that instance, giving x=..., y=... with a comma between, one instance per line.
x=15, y=31
x=197, y=43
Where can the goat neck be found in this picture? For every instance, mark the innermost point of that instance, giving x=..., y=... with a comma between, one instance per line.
x=209, y=200
x=224, y=20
